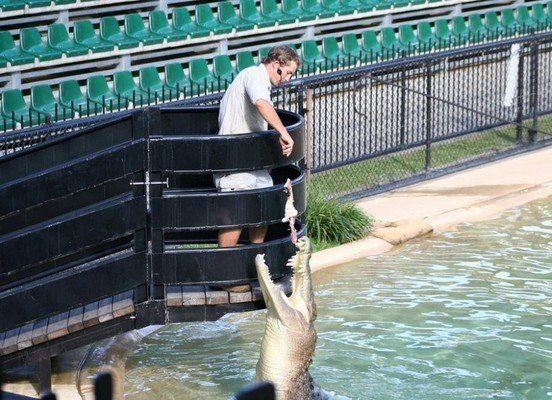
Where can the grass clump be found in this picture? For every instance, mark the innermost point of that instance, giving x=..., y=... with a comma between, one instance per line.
x=332, y=222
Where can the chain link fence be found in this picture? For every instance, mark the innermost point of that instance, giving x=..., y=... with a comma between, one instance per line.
x=395, y=122
x=406, y=120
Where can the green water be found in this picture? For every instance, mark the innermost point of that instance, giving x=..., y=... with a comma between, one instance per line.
x=459, y=315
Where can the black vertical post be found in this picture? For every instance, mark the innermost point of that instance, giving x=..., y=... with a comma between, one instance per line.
x=403, y=104
x=103, y=386
x=534, y=84
x=520, y=95
x=428, y=117
x=45, y=375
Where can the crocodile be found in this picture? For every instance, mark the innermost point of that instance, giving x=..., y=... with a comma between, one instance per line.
x=289, y=338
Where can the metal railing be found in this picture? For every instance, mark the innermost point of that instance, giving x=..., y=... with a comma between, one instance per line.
x=396, y=121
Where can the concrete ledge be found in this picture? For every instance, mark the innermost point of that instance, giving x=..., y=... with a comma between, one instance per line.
x=472, y=195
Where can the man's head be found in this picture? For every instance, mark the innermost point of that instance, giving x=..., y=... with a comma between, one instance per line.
x=281, y=63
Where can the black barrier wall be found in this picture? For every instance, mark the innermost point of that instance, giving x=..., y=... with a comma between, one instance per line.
x=128, y=207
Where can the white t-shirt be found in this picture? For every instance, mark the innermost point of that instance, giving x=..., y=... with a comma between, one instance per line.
x=238, y=113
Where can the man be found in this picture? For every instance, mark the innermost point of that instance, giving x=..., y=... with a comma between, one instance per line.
x=246, y=107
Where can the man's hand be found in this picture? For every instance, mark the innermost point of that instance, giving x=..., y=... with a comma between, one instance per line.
x=287, y=143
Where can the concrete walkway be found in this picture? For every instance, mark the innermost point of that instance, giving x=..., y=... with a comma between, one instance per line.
x=476, y=194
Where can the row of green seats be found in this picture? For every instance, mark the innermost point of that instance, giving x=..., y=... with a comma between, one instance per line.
x=181, y=26
x=424, y=36
x=202, y=77
x=125, y=91
x=10, y=5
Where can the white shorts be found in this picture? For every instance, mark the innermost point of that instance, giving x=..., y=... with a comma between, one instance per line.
x=243, y=180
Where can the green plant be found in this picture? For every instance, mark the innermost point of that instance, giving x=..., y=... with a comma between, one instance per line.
x=332, y=222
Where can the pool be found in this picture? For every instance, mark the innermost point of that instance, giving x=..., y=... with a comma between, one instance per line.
x=460, y=315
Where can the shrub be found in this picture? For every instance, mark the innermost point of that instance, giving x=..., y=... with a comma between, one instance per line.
x=332, y=222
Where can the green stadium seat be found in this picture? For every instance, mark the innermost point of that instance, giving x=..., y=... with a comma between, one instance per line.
x=549, y=12
x=370, y=45
x=337, y=7
x=311, y=56
x=443, y=33
x=98, y=92
x=270, y=10
x=227, y=15
x=70, y=96
x=385, y=5
x=37, y=3
x=110, y=31
x=524, y=18
x=460, y=30
x=539, y=15
x=370, y=4
x=358, y=5
x=16, y=109
x=426, y=37
x=351, y=47
x=159, y=24
x=3, y=63
x=44, y=102
x=62, y=2
x=10, y=5
x=407, y=38
x=135, y=28
x=244, y=59
x=205, y=18
x=181, y=21
x=314, y=7
x=291, y=7
x=493, y=25
x=334, y=56
x=201, y=76
x=31, y=42
x=11, y=53
x=262, y=53
x=58, y=38
x=223, y=70
x=84, y=34
x=391, y=45
x=508, y=20
x=175, y=78
x=249, y=12
x=125, y=87
x=477, y=30
x=150, y=82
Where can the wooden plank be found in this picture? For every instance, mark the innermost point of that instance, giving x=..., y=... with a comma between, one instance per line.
x=90, y=316
x=123, y=304
x=240, y=297
x=75, y=320
x=39, y=331
x=9, y=345
x=25, y=336
x=216, y=297
x=57, y=326
x=105, y=309
x=193, y=295
x=174, y=295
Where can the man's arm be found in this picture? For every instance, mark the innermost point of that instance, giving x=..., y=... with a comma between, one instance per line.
x=269, y=114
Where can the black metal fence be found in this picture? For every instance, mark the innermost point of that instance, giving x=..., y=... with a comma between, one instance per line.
x=404, y=120
x=393, y=122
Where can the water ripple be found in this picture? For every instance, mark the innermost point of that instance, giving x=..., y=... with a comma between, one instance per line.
x=460, y=315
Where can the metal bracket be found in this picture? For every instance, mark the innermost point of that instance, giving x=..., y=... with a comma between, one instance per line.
x=148, y=182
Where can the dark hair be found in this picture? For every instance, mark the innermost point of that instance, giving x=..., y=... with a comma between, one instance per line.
x=283, y=54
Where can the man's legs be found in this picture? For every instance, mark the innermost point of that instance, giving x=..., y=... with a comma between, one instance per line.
x=257, y=234
x=229, y=237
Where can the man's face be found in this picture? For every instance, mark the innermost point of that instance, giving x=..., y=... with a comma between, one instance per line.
x=287, y=72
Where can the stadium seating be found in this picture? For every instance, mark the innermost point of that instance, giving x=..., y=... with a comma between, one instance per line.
x=200, y=75
x=250, y=13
